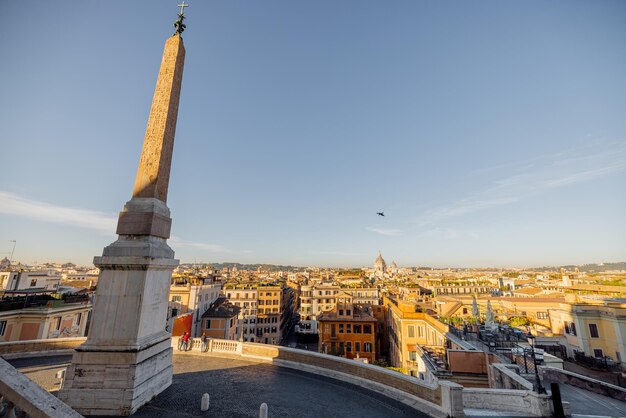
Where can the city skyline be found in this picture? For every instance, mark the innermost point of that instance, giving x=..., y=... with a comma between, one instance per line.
x=299, y=122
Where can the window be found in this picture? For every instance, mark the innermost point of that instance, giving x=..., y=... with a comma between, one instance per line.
x=572, y=328
x=341, y=312
x=348, y=328
x=3, y=327
x=357, y=329
x=341, y=328
x=208, y=324
x=341, y=347
x=357, y=346
x=348, y=347
x=57, y=323
x=333, y=331
x=348, y=312
x=176, y=298
x=78, y=318
x=174, y=312
x=33, y=283
x=413, y=355
x=597, y=353
x=411, y=331
x=542, y=315
x=593, y=330
x=367, y=329
x=367, y=347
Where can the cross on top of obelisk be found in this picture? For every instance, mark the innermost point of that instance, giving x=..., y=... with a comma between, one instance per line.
x=179, y=25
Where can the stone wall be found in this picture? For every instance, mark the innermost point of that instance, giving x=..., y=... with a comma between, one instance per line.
x=506, y=376
x=32, y=348
x=18, y=391
x=583, y=382
x=462, y=361
x=518, y=401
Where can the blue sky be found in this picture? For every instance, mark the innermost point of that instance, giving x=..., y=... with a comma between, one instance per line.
x=490, y=133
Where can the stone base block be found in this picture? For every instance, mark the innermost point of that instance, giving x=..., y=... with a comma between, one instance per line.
x=98, y=383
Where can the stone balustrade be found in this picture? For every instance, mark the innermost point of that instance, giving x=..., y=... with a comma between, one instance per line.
x=518, y=401
x=20, y=396
x=442, y=398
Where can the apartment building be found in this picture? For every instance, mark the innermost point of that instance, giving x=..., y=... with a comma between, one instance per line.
x=42, y=319
x=195, y=295
x=245, y=297
x=221, y=320
x=266, y=309
x=268, y=321
x=410, y=333
x=595, y=329
x=316, y=298
x=363, y=295
x=29, y=281
x=348, y=330
x=460, y=288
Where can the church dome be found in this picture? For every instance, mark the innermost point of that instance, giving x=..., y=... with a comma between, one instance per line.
x=380, y=264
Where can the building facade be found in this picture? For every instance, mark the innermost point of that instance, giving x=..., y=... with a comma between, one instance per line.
x=54, y=319
x=348, y=330
x=194, y=296
x=411, y=333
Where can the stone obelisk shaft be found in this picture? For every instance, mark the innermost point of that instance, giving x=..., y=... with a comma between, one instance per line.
x=153, y=174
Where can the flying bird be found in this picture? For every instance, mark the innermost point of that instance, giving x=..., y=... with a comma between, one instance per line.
x=380, y=213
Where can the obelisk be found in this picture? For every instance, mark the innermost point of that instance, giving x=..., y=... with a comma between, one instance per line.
x=127, y=358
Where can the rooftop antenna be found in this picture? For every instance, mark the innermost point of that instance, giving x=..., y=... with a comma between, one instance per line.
x=12, y=251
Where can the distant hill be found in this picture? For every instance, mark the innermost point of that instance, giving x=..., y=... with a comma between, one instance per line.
x=250, y=267
x=589, y=268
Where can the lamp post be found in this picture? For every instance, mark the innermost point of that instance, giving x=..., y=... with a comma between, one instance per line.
x=531, y=341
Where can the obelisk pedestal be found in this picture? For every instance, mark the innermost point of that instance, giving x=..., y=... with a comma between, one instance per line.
x=127, y=358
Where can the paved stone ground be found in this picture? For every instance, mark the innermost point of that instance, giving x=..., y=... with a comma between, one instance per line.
x=584, y=402
x=237, y=388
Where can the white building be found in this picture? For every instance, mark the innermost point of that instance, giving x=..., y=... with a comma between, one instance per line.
x=15, y=281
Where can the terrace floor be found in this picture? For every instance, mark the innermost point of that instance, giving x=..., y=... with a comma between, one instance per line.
x=237, y=388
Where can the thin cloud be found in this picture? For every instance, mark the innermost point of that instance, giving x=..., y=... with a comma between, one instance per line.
x=385, y=231
x=536, y=176
x=181, y=243
x=12, y=204
x=449, y=234
x=338, y=253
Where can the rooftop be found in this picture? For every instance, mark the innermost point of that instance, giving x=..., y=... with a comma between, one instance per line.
x=221, y=308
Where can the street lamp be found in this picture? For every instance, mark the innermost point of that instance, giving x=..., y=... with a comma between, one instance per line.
x=531, y=341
